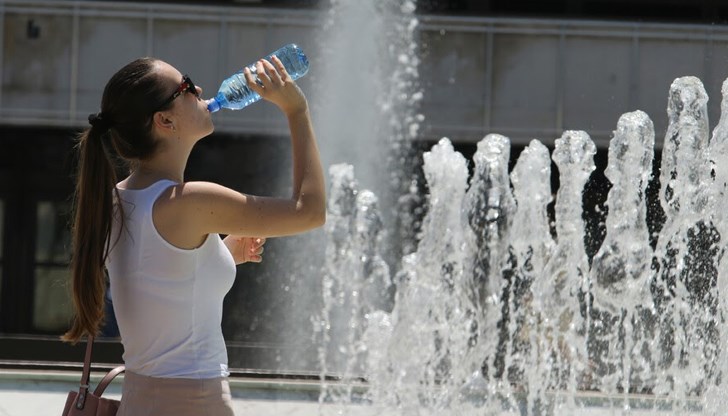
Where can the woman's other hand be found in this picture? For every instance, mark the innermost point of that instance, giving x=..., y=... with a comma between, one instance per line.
x=245, y=249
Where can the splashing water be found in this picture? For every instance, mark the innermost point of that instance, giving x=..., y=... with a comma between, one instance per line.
x=493, y=314
x=620, y=272
x=687, y=255
x=366, y=116
x=492, y=309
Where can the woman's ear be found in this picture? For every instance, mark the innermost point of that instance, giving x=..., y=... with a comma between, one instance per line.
x=162, y=121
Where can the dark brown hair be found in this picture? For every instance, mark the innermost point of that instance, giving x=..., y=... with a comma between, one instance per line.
x=123, y=128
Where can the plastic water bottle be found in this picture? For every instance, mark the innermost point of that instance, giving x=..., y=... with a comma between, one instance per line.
x=234, y=92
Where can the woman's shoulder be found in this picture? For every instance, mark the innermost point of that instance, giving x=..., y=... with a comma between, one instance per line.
x=198, y=202
x=198, y=189
x=195, y=195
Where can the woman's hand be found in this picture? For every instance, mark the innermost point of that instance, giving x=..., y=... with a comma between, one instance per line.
x=277, y=86
x=245, y=249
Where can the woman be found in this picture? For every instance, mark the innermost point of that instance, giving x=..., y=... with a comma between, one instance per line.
x=158, y=236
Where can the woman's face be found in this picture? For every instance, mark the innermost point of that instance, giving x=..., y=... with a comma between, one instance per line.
x=189, y=112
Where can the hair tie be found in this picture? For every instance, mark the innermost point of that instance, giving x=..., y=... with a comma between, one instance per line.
x=99, y=121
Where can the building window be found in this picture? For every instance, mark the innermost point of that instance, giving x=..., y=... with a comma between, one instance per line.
x=52, y=305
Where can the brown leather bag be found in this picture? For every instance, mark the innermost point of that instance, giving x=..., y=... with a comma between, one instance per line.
x=83, y=403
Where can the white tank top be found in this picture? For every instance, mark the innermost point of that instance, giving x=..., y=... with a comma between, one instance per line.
x=167, y=300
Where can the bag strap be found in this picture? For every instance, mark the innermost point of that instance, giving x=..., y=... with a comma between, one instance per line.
x=107, y=380
x=86, y=376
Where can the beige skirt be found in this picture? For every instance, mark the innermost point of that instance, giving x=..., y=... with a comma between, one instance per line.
x=147, y=396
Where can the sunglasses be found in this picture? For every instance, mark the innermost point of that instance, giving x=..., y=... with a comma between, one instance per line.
x=185, y=85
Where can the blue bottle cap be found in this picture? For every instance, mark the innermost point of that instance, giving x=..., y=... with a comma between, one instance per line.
x=212, y=105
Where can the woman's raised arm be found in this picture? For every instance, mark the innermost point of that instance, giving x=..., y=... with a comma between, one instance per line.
x=213, y=208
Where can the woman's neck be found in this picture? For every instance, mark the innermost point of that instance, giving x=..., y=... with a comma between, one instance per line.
x=151, y=174
x=164, y=165
x=168, y=162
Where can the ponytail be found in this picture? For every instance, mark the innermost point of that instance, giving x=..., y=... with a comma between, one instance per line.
x=122, y=128
x=91, y=231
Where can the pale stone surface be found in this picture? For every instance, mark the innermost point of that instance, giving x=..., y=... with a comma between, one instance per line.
x=42, y=393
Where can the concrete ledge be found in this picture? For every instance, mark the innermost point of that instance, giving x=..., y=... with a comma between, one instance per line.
x=37, y=392
x=40, y=392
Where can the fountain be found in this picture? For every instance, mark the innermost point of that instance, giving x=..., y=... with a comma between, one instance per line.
x=494, y=306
